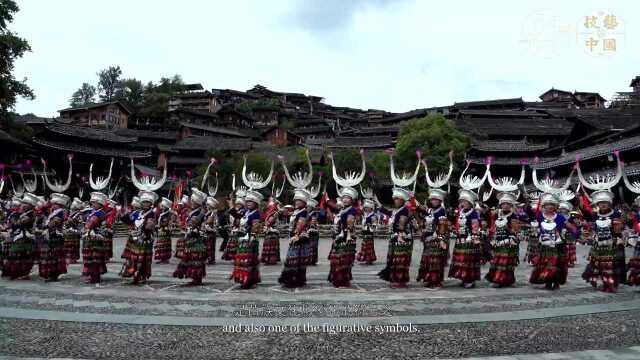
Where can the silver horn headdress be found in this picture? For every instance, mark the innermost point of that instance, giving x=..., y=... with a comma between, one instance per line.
x=314, y=191
x=253, y=180
x=405, y=179
x=440, y=179
x=634, y=187
x=470, y=183
x=299, y=180
x=30, y=185
x=100, y=183
x=599, y=182
x=57, y=186
x=212, y=190
x=548, y=185
x=351, y=178
x=147, y=182
x=505, y=184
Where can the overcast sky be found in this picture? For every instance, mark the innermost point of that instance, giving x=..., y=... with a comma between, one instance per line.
x=395, y=55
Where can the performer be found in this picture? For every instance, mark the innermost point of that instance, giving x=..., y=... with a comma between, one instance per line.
x=342, y=251
x=10, y=223
x=111, y=214
x=294, y=273
x=571, y=229
x=369, y=222
x=223, y=224
x=137, y=265
x=634, y=234
x=271, y=245
x=549, y=269
x=18, y=259
x=607, y=263
x=503, y=233
x=533, y=246
x=210, y=228
x=192, y=263
x=72, y=230
x=133, y=217
x=246, y=270
x=93, y=240
x=604, y=267
x=401, y=241
x=39, y=229
x=184, y=209
x=52, y=256
x=235, y=214
x=166, y=223
x=313, y=231
x=435, y=240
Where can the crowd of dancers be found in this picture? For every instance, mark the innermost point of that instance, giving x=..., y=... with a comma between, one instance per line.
x=54, y=231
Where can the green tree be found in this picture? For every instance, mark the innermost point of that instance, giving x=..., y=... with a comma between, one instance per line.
x=108, y=80
x=130, y=91
x=12, y=47
x=85, y=95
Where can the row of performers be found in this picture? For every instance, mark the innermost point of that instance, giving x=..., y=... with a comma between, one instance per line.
x=46, y=233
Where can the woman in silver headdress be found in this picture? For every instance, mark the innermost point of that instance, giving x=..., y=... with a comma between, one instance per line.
x=72, y=229
x=137, y=265
x=270, y=254
x=166, y=223
x=466, y=259
x=633, y=277
x=343, y=248
x=369, y=223
x=193, y=260
x=401, y=228
x=52, y=257
x=435, y=230
x=18, y=259
x=93, y=246
x=606, y=264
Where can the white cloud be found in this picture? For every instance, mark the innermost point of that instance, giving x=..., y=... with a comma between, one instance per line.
x=394, y=55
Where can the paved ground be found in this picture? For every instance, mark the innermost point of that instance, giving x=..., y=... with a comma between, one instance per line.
x=113, y=320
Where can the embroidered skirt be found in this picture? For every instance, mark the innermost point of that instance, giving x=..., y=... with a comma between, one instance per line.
x=367, y=253
x=271, y=248
x=246, y=262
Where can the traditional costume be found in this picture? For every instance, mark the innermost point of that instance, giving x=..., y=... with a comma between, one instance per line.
x=634, y=233
x=52, y=256
x=72, y=230
x=549, y=268
x=18, y=258
x=137, y=265
x=193, y=260
x=369, y=224
x=166, y=224
x=93, y=240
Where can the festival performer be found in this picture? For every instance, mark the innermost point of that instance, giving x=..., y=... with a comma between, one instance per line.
x=571, y=230
x=41, y=212
x=193, y=261
x=549, y=268
x=166, y=224
x=466, y=259
x=93, y=240
x=607, y=266
x=504, y=242
x=210, y=228
x=137, y=265
x=294, y=273
x=110, y=219
x=435, y=230
x=211, y=217
x=52, y=257
x=72, y=229
x=246, y=269
x=342, y=254
x=369, y=223
x=313, y=230
x=184, y=209
x=134, y=214
x=532, y=211
x=18, y=259
x=101, y=184
x=236, y=212
x=271, y=246
x=503, y=230
x=633, y=278
x=11, y=214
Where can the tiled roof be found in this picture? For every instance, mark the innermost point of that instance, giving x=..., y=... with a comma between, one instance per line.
x=98, y=105
x=607, y=119
x=186, y=160
x=211, y=143
x=7, y=138
x=94, y=150
x=591, y=152
x=362, y=142
x=507, y=160
x=470, y=104
x=509, y=145
x=215, y=130
x=516, y=126
x=88, y=133
x=312, y=130
x=150, y=134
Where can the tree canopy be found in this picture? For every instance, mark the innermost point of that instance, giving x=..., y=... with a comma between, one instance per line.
x=12, y=47
x=85, y=95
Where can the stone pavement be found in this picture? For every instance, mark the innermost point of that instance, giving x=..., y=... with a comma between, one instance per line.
x=72, y=306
